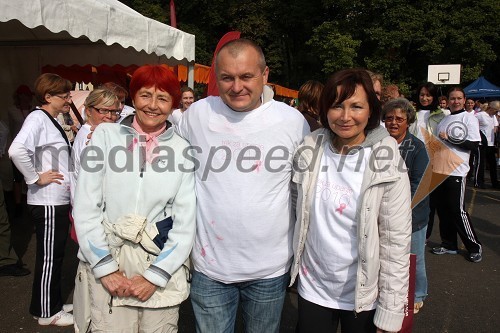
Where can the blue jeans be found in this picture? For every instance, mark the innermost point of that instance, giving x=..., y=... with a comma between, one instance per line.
x=418, y=248
x=215, y=304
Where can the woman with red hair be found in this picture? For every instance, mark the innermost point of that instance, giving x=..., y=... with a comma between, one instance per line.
x=135, y=213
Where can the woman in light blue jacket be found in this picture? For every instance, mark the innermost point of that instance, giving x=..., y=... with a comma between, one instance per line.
x=135, y=213
x=352, y=236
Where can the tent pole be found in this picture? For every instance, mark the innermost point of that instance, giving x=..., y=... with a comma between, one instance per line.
x=191, y=75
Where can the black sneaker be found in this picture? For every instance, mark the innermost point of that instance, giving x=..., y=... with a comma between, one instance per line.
x=13, y=270
x=442, y=250
x=475, y=257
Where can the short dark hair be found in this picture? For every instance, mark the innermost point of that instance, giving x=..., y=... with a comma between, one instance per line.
x=309, y=97
x=50, y=83
x=186, y=89
x=235, y=46
x=452, y=89
x=348, y=80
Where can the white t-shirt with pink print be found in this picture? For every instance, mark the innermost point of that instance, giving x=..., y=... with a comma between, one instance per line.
x=244, y=222
x=329, y=263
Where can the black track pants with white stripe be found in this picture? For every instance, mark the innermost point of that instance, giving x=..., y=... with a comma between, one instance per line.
x=453, y=218
x=52, y=226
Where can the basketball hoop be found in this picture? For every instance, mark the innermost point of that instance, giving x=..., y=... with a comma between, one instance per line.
x=444, y=77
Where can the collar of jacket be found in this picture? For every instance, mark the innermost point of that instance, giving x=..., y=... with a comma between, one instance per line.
x=126, y=124
x=437, y=111
x=382, y=167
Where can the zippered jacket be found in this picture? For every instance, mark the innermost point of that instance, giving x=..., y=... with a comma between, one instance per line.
x=116, y=182
x=383, y=216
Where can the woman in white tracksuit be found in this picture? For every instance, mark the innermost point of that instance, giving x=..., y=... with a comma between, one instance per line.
x=135, y=213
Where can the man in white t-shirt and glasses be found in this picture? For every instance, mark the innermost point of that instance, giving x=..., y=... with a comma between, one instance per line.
x=243, y=144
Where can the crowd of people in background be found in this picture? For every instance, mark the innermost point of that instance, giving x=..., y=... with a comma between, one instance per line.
x=233, y=198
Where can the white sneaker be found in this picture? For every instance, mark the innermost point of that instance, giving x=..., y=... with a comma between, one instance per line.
x=59, y=319
x=66, y=308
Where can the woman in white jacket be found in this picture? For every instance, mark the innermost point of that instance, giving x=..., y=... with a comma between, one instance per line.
x=135, y=213
x=352, y=236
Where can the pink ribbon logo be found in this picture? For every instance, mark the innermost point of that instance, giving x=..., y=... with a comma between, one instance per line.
x=341, y=208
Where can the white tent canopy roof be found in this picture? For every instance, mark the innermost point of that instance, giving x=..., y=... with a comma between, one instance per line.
x=35, y=33
x=91, y=27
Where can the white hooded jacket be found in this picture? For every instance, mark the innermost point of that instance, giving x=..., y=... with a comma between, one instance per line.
x=383, y=217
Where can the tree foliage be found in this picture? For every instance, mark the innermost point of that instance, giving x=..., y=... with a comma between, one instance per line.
x=305, y=40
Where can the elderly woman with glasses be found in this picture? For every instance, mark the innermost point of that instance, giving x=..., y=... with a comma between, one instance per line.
x=135, y=212
x=398, y=114
x=40, y=152
x=101, y=106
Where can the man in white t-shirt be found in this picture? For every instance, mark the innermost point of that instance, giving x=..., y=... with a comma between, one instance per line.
x=488, y=125
x=243, y=144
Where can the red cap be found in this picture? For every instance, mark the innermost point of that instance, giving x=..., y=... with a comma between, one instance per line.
x=23, y=90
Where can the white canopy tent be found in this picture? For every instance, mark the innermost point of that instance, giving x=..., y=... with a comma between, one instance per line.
x=35, y=33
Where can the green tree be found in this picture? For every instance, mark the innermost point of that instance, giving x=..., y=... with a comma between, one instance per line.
x=305, y=40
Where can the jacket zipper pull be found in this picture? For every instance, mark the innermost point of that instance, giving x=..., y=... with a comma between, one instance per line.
x=110, y=305
x=80, y=276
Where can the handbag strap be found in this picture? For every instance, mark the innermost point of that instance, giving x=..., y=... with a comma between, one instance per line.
x=56, y=124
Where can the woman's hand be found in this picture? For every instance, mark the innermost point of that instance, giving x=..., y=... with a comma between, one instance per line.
x=141, y=288
x=117, y=284
x=48, y=177
x=382, y=331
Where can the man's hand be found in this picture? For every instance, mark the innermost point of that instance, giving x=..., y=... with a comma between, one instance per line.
x=49, y=177
x=117, y=284
x=141, y=288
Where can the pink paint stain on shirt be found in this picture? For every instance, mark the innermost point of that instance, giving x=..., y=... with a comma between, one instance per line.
x=341, y=208
x=257, y=166
x=305, y=271
x=219, y=237
x=132, y=144
x=203, y=252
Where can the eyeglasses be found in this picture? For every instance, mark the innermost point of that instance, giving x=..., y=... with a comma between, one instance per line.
x=390, y=119
x=65, y=97
x=115, y=113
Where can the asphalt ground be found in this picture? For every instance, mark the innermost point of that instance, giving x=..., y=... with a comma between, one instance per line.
x=463, y=296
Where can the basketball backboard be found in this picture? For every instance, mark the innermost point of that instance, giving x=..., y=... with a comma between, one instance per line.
x=444, y=74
